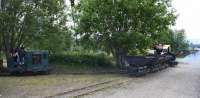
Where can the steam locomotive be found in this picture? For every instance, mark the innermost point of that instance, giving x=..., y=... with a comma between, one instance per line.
x=141, y=65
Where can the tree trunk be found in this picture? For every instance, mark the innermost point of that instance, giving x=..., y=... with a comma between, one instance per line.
x=120, y=59
x=5, y=47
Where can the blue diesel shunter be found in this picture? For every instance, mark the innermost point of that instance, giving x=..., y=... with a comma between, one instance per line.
x=33, y=61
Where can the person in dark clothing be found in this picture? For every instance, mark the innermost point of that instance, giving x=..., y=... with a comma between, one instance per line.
x=15, y=56
x=22, y=54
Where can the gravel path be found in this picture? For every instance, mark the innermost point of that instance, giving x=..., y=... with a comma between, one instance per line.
x=180, y=82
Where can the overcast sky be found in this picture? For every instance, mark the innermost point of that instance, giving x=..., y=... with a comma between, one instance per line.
x=189, y=18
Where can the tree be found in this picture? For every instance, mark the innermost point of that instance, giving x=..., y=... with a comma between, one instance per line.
x=32, y=23
x=176, y=38
x=119, y=26
x=180, y=40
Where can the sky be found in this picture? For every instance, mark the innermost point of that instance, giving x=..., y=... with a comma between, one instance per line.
x=189, y=18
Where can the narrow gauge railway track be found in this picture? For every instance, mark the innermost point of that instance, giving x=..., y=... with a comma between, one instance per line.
x=74, y=93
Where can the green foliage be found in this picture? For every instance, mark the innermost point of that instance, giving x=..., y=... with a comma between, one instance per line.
x=37, y=24
x=119, y=26
x=180, y=42
x=1, y=55
x=176, y=39
x=81, y=59
x=137, y=52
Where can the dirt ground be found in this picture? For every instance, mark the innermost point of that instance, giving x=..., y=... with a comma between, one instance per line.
x=46, y=85
x=180, y=82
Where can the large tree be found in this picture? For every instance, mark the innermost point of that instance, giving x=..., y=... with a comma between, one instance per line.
x=119, y=26
x=33, y=23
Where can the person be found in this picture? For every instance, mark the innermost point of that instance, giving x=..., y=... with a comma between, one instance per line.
x=22, y=54
x=15, y=56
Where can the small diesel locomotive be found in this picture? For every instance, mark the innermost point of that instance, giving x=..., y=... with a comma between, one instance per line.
x=33, y=62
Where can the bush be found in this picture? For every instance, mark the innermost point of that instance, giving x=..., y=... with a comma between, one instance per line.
x=80, y=59
x=1, y=55
x=1, y=60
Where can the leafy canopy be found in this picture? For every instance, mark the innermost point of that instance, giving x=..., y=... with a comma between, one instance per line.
x=38, y=24
x=119, y=26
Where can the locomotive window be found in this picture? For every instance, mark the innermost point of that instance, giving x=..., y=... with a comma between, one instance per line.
x=36, y=59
